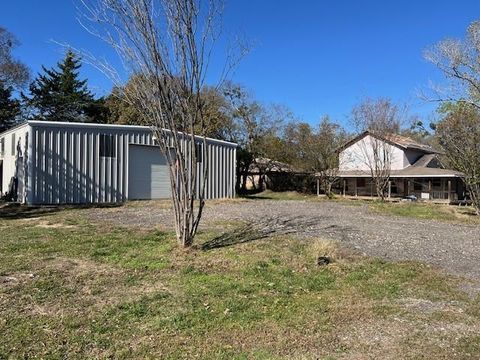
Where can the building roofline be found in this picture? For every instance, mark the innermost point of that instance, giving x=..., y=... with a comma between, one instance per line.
x=42, y=123
x=389, y=141
x=14, y=128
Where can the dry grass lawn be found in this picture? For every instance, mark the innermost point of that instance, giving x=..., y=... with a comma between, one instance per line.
x=72, y=289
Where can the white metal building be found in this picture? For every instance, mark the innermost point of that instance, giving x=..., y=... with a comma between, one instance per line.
x=66, y=163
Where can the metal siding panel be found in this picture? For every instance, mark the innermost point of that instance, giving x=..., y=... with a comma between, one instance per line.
x=198, y=175
x=56, y=168
x=91, y=174
x=89, y=167
x=97, y=168
x=65, y=167
x=211, y=177
x=111, y=162
x=231, y=190
x=229, y=182
x=234, y=167
x=84, y=167
x=35, y=169
x=126, y=172
x=61, y=166
x=51, y=178
x=69, y=171
x=223, y=173
x=113, y=196
x=74, y=167
x=118, y=172
x=40, y=167
x=217, y=171
x=68, y=166
x=78, y=167
x=45, y=168
x=220, y=170
x=209, y=171
x=102, y=180
x=213, y=173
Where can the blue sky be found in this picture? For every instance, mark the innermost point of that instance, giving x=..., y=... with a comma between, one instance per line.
x=316, y=57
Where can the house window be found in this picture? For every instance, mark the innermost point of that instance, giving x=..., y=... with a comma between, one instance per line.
x=393, y=187
x=199, y=152
x=361, y=183
x=13, y=144
x=107, y=145
x=437, y=183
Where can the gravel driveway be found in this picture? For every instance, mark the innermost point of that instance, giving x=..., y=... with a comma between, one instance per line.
x=454, y=247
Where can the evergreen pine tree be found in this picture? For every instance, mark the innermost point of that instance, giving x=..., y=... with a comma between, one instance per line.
x=58, y=94
x=9, y=107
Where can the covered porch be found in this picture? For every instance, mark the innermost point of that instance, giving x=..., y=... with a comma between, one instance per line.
x=440, y=189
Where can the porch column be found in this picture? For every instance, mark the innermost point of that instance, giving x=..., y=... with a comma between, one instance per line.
x=430, y=189
x=356, y=190
x=318, y=186
x=344, y=187
x=389, y=189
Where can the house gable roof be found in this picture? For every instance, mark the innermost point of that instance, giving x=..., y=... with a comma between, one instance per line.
x=399, y=141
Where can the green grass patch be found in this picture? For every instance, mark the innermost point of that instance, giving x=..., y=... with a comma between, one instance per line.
x=70, y=289
x=427, y=211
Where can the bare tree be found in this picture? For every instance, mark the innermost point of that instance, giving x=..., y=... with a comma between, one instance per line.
x=381, y=118
x=458, y=60
x=255, y=125
x=459, y=134
x=13, y=73
x=458, y=131
x=329, y=137
x=167, y=45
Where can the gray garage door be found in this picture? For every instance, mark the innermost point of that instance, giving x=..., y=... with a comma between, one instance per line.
x=148, y=176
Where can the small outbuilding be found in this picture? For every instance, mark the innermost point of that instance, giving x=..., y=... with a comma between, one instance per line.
x=44, y=162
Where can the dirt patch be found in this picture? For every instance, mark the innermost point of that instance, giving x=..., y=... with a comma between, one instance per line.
x=454, y=247
x=77, y=284
x=15, y=279
x=425, y=306
x=47, y=224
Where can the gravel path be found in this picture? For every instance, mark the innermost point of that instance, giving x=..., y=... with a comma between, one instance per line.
x=454, y=247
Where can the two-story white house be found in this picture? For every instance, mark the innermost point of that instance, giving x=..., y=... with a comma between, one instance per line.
x=412, y=168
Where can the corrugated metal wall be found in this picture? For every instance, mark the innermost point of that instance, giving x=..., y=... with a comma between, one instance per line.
x=66, y=166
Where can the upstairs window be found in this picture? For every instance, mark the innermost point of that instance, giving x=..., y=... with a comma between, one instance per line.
x=14, y=145
x=107, y=146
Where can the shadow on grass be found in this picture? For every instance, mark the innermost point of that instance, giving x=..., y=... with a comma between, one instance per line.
x=259, y=229
x=256, y=197
x=237, y=236
x=14, y=211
